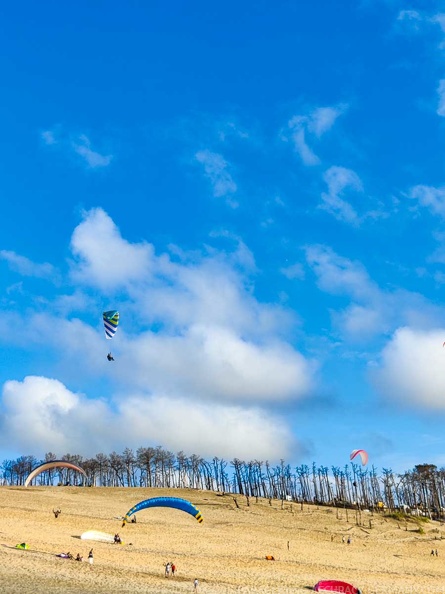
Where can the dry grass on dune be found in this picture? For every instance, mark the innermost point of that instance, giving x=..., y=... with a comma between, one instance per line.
x=226, y=552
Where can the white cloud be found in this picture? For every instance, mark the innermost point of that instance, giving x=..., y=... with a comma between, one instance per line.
x=339, y=275
x=317, y=123
x=307, y=155
x=103, y=258
x=93, y=159
x=215, y=363
x=216, y=430
x=441, y=93
x=216, y=170
x=242, y=255
x=48, y=137
x=294, y=271
x=361, y=320
x=213, y=341
x=73, y=340
x=369, y=310
x=195, y=351
x=81, y=147
x=410, y=369
x=339, y=179
x=27, y=267
x=366, y=315
x=41, y=414
x=409, y=15
x=439, y=19
x=228, y=129
x=415, y=21
x=430, y=197
x=208, y=291
x=323, y=118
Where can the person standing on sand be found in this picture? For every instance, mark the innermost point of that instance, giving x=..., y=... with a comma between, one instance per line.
x=173, y=569
x=195, y=585
x=167, y=569
x=90, y=557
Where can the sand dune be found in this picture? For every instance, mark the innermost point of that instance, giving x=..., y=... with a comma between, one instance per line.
x=226, y=552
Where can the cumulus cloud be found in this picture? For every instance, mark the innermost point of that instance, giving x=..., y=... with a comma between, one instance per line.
x=215, y=363
x=313, y=125
x=216, y=170
x=338, y=180
x=209, y=292
x=408, y=369
x=193, y=337
x=103, y=257
x=27, y=267
x=202, y=363
x=69, y=339
x=42, y=414
x=224, y=431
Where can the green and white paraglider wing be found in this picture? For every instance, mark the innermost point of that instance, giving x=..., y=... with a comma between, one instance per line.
x=111, y=322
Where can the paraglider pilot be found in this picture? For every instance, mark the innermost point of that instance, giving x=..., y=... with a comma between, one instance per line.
x=110, y=357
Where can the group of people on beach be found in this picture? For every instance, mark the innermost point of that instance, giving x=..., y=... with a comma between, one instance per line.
x=78, y=557
x=170, y=569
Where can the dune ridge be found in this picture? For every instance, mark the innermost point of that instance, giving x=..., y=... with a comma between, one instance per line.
x=226, y=552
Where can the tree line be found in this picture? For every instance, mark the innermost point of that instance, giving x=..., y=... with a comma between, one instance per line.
x=353, y=486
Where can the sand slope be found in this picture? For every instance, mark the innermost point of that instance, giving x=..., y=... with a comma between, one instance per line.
x=226, y=552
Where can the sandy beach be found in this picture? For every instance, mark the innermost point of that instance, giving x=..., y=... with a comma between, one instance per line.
x=226, y=552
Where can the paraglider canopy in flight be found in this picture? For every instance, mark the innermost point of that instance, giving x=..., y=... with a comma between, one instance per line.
x=111, y=322
x=363, y=455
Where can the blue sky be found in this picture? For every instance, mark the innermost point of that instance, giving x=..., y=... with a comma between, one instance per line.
x=260, y=191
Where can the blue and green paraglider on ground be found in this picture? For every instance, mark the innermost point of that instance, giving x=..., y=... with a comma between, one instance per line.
x=173, y=502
